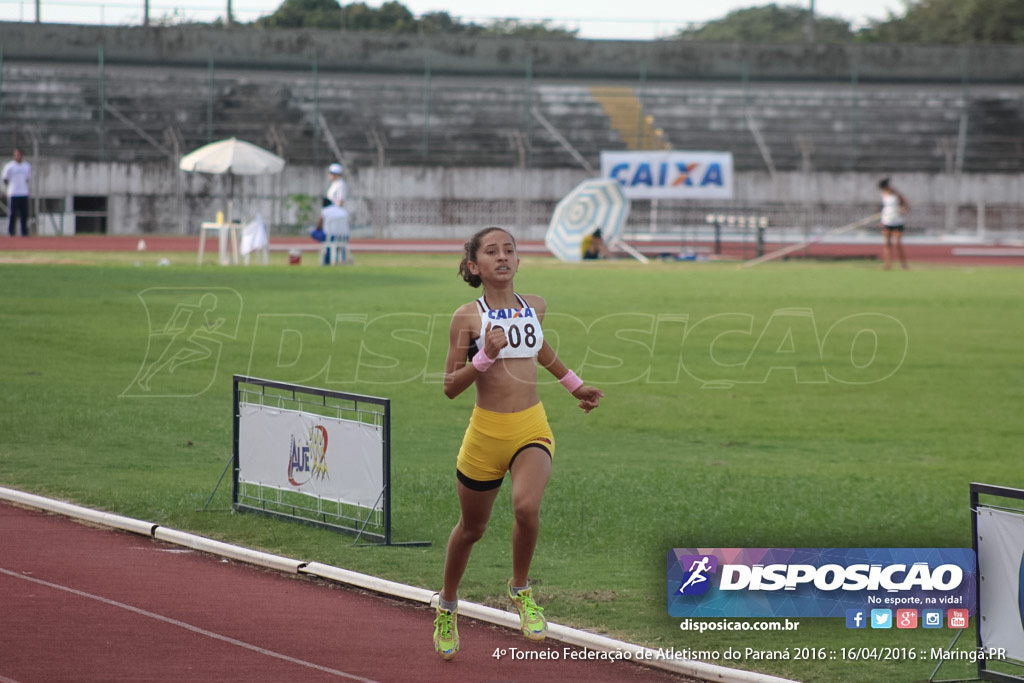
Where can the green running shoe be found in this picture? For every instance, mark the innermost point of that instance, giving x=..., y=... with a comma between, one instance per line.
x=446, y=633
x=531, y=615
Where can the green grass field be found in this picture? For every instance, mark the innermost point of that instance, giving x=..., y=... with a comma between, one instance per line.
x=744, y=408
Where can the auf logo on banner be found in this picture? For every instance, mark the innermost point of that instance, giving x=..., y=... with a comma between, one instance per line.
x=307, y=461
x=187, y=330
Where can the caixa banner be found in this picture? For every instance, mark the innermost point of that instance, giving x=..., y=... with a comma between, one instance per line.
x=670, y=175
x=817, y=582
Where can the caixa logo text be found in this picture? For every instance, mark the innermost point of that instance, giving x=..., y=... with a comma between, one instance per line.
x=831, y=577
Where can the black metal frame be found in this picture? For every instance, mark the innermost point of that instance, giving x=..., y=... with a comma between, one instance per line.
x=384, y=403
x=978, y=490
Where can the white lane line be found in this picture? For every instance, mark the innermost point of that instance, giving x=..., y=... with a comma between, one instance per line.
x=187, y=627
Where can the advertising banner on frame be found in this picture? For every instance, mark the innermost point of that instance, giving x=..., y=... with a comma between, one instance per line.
x=1001, y=564
x=321, y=456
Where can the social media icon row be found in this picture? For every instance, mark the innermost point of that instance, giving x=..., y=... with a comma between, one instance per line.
x=905, y=618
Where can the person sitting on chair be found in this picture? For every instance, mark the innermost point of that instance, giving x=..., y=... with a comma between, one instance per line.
x=333, y=224
x=594, y=247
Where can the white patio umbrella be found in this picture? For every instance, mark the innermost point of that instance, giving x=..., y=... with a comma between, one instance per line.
x=233, y=156
x=596, y=203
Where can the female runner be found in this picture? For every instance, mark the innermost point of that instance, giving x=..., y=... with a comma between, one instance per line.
x=496, y=342
x=894, y=206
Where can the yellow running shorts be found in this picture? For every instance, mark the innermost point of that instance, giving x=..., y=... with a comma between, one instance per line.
x=493, y=440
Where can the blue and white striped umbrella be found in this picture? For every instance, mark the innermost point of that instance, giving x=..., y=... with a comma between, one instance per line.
x=594, y=204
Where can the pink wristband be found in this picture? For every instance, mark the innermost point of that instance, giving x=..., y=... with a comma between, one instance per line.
x=571, y=382
x=481, y=362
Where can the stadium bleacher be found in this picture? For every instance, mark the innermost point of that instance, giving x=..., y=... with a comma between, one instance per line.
x=453, y=121
x=409, y=126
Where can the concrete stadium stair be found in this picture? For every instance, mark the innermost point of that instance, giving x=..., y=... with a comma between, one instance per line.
x=147, y=114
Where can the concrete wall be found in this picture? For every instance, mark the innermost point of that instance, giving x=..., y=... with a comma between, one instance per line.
x=453, y=202
x=443, y=201
x=370, y=52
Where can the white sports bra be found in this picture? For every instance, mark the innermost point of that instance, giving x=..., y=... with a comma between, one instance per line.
x=891, y=210
x=521, y=325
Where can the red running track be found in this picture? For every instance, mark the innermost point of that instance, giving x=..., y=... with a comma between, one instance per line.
x=957, y=254
x=83, y=604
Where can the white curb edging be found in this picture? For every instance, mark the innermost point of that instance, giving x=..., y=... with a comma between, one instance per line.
x=234, y=552
x=103, y=518
x=570, y=636
x=368, y=582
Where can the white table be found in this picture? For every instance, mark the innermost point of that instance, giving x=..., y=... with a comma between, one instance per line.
x=226, y=233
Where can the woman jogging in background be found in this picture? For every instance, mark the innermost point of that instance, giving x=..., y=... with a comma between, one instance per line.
x=894, y=206
x=496, y=343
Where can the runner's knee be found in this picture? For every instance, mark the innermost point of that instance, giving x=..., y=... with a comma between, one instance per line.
x=471, y=531
x=527, y=516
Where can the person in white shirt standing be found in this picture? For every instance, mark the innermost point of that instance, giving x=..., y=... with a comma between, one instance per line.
x=894, y=207
x=337, y=191
x=16, y=176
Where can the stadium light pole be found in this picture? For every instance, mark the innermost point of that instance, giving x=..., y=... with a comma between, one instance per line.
x=811, y=37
